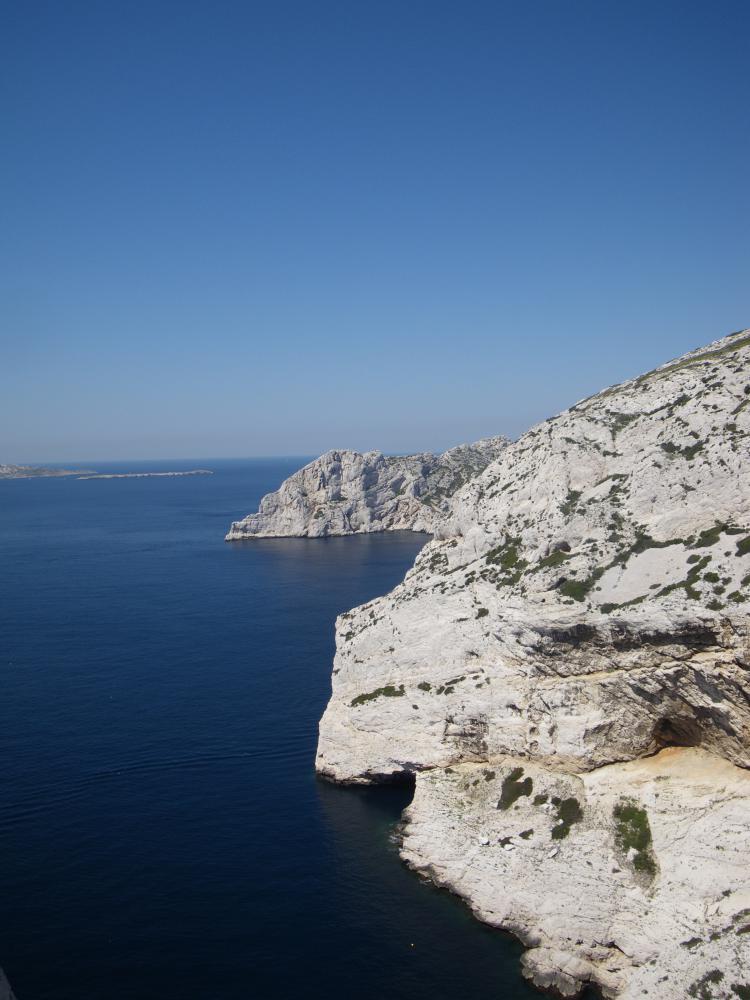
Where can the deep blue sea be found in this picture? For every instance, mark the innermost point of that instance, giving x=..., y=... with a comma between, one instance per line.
x=162, y=832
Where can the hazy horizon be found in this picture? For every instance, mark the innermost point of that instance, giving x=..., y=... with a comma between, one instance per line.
x=242, y=230
x=305, y=455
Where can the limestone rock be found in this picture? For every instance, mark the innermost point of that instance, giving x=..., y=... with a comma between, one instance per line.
x=586, y=599
x=347, y=493
x=582, y=605
x=653, y=920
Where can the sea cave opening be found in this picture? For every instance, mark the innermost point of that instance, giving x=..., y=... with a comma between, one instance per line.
x=677, y=731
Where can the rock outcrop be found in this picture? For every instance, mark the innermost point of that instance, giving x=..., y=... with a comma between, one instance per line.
x=348, y=493
x=582, y=607
x=6, y=993
x=632, y=876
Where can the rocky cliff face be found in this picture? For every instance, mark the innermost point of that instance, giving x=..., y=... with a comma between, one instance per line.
x=632, y=876
x=584, y=605
x=347, y=493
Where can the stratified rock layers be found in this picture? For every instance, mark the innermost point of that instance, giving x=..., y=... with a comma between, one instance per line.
x=583, y=605
x=347, y=493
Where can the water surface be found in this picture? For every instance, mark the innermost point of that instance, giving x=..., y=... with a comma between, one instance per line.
x=162, y=833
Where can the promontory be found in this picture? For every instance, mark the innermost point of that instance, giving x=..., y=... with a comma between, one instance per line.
x=350, y=492
x=564, y=676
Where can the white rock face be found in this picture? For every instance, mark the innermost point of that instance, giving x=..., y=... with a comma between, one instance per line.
x=662, y=918
x=583, y=604
x=348, y=493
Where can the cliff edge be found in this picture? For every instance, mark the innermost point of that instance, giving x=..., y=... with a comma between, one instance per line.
x=564, y=673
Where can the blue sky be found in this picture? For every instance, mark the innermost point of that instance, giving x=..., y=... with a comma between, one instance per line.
x=237, y=229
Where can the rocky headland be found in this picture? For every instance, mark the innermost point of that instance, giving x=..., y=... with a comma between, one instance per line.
x=564, y=675
x=350, y=492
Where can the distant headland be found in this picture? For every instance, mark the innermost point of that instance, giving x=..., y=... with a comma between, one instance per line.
x=39, y=472
x=145, y=475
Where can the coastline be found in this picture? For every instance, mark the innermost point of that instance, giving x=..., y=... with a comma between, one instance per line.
x=31, y=472
x=146, y=475
x=578, y=627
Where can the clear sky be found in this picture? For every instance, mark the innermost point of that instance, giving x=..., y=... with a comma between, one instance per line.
x=239, y=228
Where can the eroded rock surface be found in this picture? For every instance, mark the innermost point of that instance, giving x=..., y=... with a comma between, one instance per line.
x=347, y=493
x=583, y=604
x=632, y=876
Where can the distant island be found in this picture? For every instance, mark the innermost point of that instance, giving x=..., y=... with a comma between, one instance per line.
x=38, y=472
x=145, y=475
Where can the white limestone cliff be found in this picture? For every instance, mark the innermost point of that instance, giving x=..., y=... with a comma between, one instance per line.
x=347, y=492
x=646, y=893
x=583, y=605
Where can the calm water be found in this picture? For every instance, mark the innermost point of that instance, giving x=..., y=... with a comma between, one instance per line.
x=162, y=834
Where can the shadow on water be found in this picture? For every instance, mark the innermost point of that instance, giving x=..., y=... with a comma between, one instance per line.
x=365, y=822
x=427, y=936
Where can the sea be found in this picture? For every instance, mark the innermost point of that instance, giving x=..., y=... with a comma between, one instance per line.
x=162, y=831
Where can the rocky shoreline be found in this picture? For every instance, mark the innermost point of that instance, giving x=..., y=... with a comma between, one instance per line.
x=631, y=877
x=564, y=676
x=564, y=672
